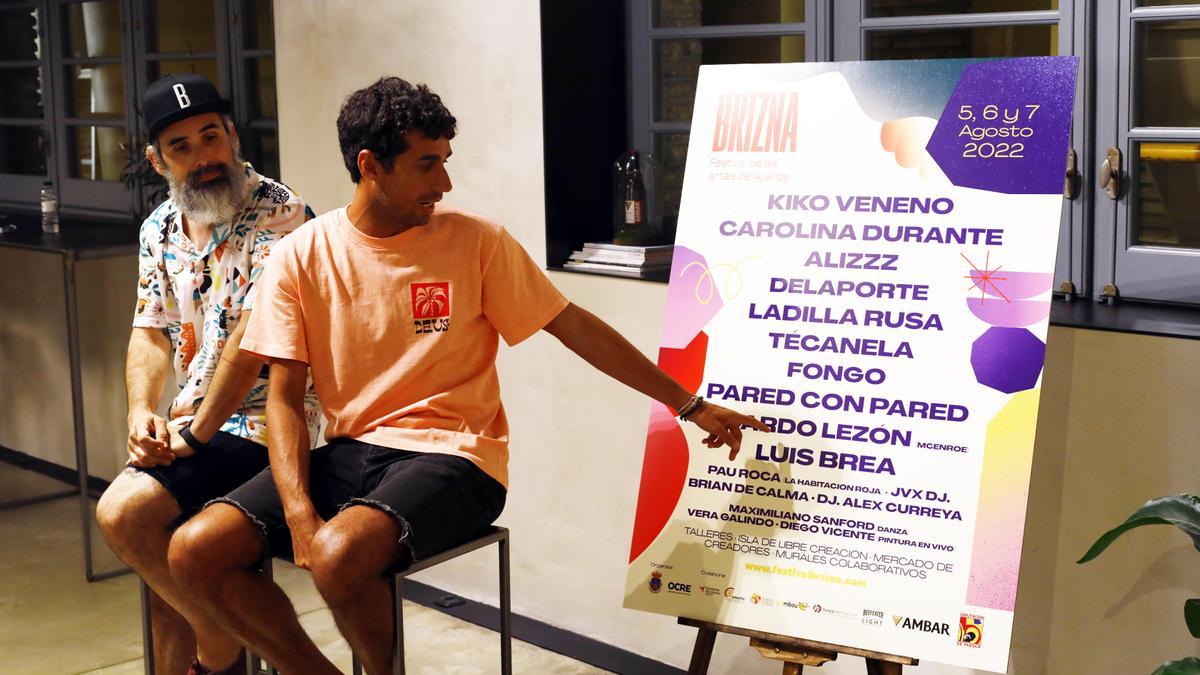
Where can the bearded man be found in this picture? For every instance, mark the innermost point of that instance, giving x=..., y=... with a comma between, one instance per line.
x=202, y=251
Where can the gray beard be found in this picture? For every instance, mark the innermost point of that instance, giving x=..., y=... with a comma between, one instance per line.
x=211, y=204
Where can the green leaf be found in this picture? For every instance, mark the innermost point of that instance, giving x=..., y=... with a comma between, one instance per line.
x=1183, y=511
x=1188, y=666
x=1191, y=614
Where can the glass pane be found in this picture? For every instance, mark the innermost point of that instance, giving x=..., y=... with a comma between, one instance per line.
x=260, y=27
x=878, y=8
x=96, y=153
x=261, y=148
x=182, y=27
x=93, y=29
x=688, y=13
x=964, y=43
x=22, y=151
x=670, y=155
x=205, y=67
x=21, y=93
x=96, y=91
x=1167, y=57
x=260, y=87
x=19, y=34
x=677, y=63
x=1167, y=195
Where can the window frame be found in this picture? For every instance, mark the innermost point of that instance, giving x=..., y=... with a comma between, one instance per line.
x=81, y=196
x=644, y=129
x=1127, y=269
x=240, y=58
x=15, y=186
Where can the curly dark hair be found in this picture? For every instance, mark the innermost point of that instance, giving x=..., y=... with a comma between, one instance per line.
x=376, y=118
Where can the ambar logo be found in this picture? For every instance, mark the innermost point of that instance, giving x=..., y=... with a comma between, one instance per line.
x=922, y=625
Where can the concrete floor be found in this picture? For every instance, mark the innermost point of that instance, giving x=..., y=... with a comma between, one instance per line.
x=53, y=622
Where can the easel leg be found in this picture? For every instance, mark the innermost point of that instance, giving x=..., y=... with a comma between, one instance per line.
x=790, y=668
x=702, y=652
x=877, y=667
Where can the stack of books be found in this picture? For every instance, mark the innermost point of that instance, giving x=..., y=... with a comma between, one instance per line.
x=638, y=262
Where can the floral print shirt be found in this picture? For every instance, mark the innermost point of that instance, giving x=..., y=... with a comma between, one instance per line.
x=196, y=295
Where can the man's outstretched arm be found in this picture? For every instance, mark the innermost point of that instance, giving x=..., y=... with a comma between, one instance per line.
x=603, y=347
x=288, y=444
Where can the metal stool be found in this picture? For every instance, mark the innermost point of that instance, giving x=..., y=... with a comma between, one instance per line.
x=493, y=535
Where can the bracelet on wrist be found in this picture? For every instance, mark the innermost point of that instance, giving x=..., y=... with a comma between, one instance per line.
x=688, y=409
x=185, y=433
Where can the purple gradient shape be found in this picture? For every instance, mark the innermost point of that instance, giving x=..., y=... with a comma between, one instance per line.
x=1008, y=359
x=1013, y=285
x=691, y=282
x=1015, y=314
x=1009, y=84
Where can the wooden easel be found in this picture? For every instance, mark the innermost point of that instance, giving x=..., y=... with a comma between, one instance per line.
x=794, y=652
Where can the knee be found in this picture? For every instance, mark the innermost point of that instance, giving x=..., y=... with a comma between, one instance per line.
x=132, y=505
x=211, y=545
x=337, y=572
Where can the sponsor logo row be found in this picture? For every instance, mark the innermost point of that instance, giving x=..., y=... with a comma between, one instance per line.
x=970, y=626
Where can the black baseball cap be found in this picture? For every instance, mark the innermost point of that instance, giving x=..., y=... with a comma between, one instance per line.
x=178, y=97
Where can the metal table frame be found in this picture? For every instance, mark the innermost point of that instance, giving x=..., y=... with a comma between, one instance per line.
x=77, y=242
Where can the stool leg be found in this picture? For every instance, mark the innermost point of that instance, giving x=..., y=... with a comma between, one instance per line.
x=505, y=610
x=355, y=666
x=253, y=662
x=398, y=626
x=147, y=630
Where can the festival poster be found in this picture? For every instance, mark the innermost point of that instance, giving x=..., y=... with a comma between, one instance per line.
x=864, y=261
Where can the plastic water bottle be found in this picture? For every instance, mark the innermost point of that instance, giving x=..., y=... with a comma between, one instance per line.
x=49, y=209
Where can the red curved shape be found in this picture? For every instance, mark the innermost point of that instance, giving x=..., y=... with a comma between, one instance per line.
x=664, y=472
x=686, y=365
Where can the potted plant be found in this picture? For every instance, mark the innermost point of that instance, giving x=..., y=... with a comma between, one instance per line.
x=1182, y=511
x=139, y=173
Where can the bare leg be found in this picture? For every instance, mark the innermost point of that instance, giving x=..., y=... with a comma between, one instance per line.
x=214, y=556
x=174, y=640
x=350, y=554
x=135, y=514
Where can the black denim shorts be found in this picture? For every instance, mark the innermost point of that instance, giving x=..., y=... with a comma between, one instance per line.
x=226, y=462
x=439, y=500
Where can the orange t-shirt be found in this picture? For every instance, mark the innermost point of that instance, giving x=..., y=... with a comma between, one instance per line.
x=401, y=332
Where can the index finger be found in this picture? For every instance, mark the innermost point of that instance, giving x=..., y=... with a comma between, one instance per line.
x=750, y=421
x=160, y=430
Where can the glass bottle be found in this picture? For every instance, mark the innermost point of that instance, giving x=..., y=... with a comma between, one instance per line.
x=630, y=224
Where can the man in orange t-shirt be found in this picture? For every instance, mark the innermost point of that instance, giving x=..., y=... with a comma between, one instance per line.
x=397, y=305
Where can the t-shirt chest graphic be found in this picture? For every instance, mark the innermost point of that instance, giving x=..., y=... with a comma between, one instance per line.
x=430, y=304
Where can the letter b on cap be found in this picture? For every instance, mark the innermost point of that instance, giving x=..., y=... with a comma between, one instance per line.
x=181, y=96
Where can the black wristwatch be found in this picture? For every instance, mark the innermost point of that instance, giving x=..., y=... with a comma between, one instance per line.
x=185, y=432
